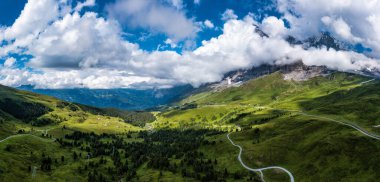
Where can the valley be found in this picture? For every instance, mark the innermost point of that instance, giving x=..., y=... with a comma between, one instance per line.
x=189, y=90
x=267, y=129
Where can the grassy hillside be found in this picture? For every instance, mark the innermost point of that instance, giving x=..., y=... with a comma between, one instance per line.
x=277, y=123
x=339, y=95
x=21, y=110
x=312, y=149
x=284, y=123
x=45, y=139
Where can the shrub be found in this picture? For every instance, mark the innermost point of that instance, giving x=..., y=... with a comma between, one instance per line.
x=42, y=121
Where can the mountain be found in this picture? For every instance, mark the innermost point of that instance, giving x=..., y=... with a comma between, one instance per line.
x=126, y=99
x=315, y=123
x=296, y=71
x=23, y=110
x=296, y=121
x=327, y=40
x=317, y=128
x=324, y=39
x=135, y=99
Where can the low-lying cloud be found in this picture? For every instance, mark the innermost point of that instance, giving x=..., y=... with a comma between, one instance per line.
x=350, y=20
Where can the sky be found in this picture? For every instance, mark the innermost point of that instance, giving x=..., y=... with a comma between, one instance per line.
x=162, y=43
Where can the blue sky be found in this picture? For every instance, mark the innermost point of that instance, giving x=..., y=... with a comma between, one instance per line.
x=10, y=10
x=161, y=43
x=206, y=10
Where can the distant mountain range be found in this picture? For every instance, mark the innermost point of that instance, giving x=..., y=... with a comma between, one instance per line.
x=126, y=99
x=133, y=99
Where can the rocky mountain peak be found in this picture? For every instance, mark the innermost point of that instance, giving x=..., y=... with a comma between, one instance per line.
x=297, y=71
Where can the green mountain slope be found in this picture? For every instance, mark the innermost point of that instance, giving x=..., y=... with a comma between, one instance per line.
x=21, y=110
x=296, y=125
x=339, y=95
x=45, y=139
x=316, y=129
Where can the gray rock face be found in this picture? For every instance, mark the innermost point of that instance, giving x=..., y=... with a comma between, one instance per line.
x=296, y=72
x=305, y=74
x=301, y=72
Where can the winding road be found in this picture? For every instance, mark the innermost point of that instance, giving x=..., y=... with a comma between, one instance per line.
x=361, y=83
x=20, y=135
x=13, y=136
x=260, y=170
x=361, y=130
x=358, y=128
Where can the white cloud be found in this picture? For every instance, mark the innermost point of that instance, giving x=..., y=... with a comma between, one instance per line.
x=273, y=26
x=238, y=47
x=89, y=78
x=197, y=2
x=208, y=24
x=87, y=3
x=228, y=15
x=350, y=20
x=341, y=28
x=171, y=43
x=88, y=51
x=176, y=3
x=80, y=42
x=9, y=62
x=154, y=16
x=35, y=17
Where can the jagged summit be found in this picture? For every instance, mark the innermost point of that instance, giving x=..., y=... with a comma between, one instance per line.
x=302, y=72
x=324, y=39
x=297, y=71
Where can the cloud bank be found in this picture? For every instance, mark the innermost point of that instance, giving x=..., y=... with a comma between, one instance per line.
x=350, y=20
x=70, y=50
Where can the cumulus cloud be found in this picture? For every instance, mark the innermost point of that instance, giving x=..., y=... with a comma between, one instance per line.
x=171, y=43
x=87, y=3
x=9, y=62
x=14, y=76
x=80, y=42
x=273, y=26
x=350, y=20
x=229, y=14
x=88, y=51
x=341, y=29
x=89, y=78
x=208, y=24
x=154, y=16
x=35, y=17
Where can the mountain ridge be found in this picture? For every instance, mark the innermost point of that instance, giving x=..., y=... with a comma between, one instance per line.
x=125, y=99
